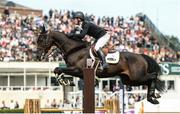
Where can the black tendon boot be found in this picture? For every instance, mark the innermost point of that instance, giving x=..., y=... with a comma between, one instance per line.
x=151, y=93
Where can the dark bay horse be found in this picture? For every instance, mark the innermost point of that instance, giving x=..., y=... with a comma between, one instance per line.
x=133, y=69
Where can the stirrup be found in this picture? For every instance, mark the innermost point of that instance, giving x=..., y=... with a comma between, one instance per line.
x=105, y=65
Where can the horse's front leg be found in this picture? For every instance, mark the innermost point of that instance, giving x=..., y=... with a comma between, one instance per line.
x=62, y=80
x=73, y=71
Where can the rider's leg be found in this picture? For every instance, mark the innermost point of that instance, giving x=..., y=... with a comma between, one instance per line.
x=98, y=47
x=102, y=58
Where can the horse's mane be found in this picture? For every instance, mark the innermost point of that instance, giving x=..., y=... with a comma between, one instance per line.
x=74, y=39
x=81, y=44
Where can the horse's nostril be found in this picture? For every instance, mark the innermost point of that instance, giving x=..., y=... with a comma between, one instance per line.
x=37, y=58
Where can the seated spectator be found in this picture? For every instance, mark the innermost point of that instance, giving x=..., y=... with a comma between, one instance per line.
x=60, y=104
x=116, y=87
x=67, y=104
x=54, y=104
x=12, y=105
x=3, y=105
x=16, y=105
x=78, y=102
x=47, y=104
x=106, y=88
x=131, y=100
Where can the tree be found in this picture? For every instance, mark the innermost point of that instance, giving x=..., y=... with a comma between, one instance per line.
x=174, y=42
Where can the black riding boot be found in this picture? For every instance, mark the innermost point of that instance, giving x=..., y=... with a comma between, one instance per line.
x=102, y=58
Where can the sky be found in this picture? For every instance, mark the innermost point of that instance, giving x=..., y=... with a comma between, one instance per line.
x=165, y=14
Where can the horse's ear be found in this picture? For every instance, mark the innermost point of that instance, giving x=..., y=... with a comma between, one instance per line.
x=35, y=30
x=43, y=29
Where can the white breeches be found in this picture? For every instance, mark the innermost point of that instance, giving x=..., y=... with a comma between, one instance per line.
x=102, y=41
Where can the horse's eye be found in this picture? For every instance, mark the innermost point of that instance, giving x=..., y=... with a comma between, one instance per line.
x=40, y=39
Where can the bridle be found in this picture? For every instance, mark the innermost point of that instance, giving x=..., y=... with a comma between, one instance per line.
x=45, y=44
x=45, y=55
x=46, y=35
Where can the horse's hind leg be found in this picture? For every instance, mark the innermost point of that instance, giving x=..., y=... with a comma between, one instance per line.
x=151, y=76
x=151, y=92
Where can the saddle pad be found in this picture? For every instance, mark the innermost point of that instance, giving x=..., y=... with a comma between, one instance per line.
x=113, y=58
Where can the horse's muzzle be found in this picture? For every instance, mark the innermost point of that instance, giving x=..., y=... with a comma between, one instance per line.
x=39, y=54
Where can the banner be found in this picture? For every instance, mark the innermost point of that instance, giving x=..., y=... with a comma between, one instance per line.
x=170, y=68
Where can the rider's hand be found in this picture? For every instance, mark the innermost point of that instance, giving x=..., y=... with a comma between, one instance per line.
x=70, y=34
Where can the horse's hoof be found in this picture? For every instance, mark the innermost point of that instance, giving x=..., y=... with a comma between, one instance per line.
x=156, y=96
x=72, y=84
x=153, y=101
x=66, y=82
x=60, y=81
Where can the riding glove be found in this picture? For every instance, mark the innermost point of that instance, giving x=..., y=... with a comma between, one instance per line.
x=70, y=34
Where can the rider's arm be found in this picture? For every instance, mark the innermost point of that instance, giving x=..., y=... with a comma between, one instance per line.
x=83, y=32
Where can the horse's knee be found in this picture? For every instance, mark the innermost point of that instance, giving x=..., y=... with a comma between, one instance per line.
x=77, y=70
x=57, y=70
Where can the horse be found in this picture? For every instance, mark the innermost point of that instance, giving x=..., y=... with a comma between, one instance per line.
x=133, y=69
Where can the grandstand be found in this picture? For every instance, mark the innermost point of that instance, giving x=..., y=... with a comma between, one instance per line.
x=18, y=9
x=22, y=77
x=155, y=32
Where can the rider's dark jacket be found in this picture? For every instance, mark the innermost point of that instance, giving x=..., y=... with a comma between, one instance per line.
x=89, y=28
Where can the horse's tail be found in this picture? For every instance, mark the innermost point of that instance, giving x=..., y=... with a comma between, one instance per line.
x=153, y=66
x=160, y=86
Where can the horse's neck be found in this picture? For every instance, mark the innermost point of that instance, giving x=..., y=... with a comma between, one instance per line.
x=63, y=42
x=66, y=44
x=76, y=49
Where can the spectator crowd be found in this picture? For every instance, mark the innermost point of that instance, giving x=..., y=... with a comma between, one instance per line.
x=11, y=105
x=18, y=42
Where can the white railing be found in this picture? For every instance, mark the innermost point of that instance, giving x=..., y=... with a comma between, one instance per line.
x=30, y=88
x=29, y=65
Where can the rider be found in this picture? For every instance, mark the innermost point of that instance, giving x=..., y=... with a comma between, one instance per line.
x=89, y=28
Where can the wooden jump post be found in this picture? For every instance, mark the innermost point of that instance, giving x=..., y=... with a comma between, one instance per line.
x=89, y=91
x=32, y=106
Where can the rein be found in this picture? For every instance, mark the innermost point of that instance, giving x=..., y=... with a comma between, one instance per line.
x=47, y=43
x=51, y=52
x=48, y=40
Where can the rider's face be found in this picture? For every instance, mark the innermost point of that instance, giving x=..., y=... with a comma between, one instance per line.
x=75, y=21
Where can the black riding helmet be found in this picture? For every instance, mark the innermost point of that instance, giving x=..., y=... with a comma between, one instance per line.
x=79, y=14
